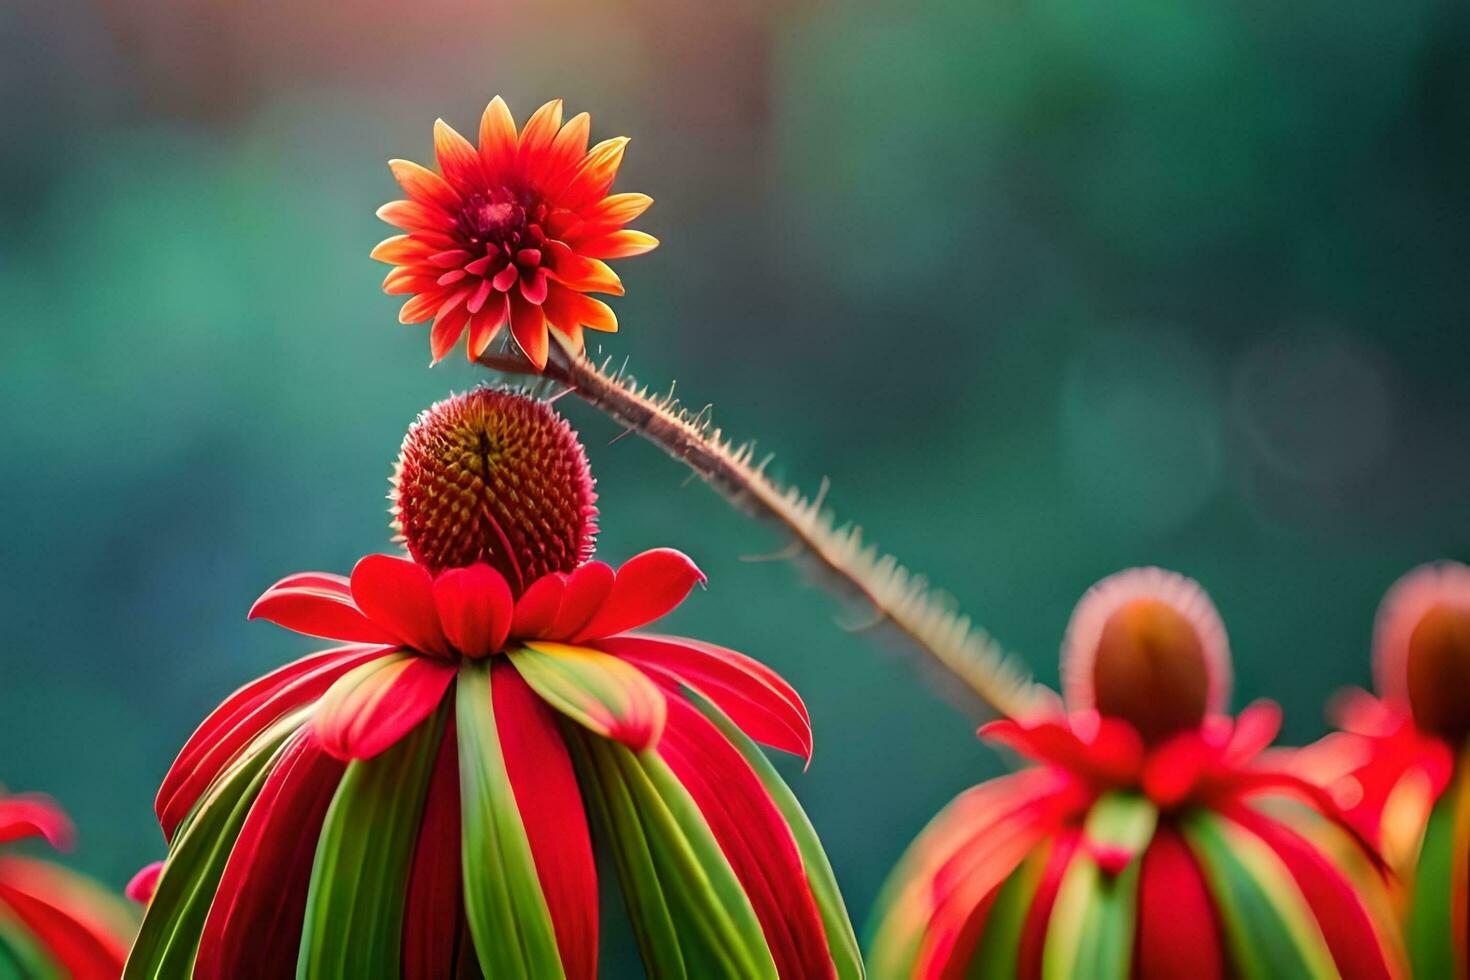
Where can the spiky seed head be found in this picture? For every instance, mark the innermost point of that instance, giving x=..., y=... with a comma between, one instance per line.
x=495, y=476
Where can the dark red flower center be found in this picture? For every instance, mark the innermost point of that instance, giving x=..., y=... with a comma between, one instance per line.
x=498, y=477
x=1150, y=670
x=1439, y=671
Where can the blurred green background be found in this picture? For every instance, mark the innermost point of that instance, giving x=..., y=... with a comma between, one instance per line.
x=1046, y=288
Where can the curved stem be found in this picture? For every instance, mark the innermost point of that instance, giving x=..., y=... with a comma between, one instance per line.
x=903, y=604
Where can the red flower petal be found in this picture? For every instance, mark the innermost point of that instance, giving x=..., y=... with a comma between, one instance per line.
x=144, y=883
x=595, y=174
x=581, y=273
x=398, y=595
x=540, y=130
x=256, y=917
x=1351, y=937
x=645, y=587
x=458, y=161
x=617, y=245
x=545, y=785
x=244, y=715
x=1033, y=932
x=528, y=327
x=1255, y=728
x=373, y=706
x=612, y=212
x=475, y=608
x=415, y=218
x=434, y=907
x=317, y=605
x=83, y=949
x=757, y=700
x=33, y=815
x=423, y=185
x=587, y=588
x=754, y=838
x=497, y=139
x=1178, y=934
x=537, y=609
x=485, y=324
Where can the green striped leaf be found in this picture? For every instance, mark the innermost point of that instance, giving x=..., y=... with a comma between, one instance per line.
x=21, y=956
x=1268, y=924
x=169, y=936
x=359, y=879
x=712, y=920
x=841, y=941
x=507, y=912
x=1430, y=932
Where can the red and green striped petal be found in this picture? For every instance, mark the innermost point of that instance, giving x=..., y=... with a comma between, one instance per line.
x=256, y=914
x=169, y=937
x=433, y=912
x=353, y=925
x=598, y=691
x=507, y=911
x=842, y=945
x=990, y=946
x=690, y=915
x=81, y=928
x=1269, y=928
x=21, y=952
x=1091, y=931
x=1178, y=927
x=372, y=706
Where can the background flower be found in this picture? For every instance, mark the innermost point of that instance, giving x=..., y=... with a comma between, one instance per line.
x=1152, y=840
x=54, y=922
x=512, y=232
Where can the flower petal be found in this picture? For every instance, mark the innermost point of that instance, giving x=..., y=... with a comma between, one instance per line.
x=433, y=911
x=398, y=594
x=753, y=836
x=540, y=130
x=546, y=793
x=45, y=901
x=458, y=161
x=255, y=918
x=243, y=716
x=373, y=706
x=486, y=323
x=315, y=607
x=33, y=815
x=508, y=915
x=617, y=245
x=144, y=883
x=497, y=138
x=586, y=590
x=581, y=273
x=400, y=250
x=449, y=324
x=423, y=185
x=600, y=692
x=645, y=588
x=414, y=217
x=475, y=608
x=595, y=173
x=568, y=311
x=537, y=608
x=528, y=327
x=763, y=705
x=614, y=211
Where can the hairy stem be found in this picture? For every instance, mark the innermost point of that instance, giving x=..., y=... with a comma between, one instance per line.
x=903, y=604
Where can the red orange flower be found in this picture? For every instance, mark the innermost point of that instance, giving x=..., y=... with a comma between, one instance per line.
x=54, y=922
x=1400, y=766
x=512, y=231
x=1140, y=845
x=417, y=802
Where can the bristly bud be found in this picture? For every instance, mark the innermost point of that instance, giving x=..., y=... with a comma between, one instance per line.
x=495, y=476
x=1147, y=646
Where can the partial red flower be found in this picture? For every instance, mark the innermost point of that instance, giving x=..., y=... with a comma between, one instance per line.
x=1153, y=838
x=54, y=922
x=418, y=800
x=514, y=231
x=1398, y=766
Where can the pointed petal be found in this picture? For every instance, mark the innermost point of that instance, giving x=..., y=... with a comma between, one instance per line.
x=587, y=588
x=144, y=883
x=612, y=212
x=528, y=327
x=398, y=594
x=458, y=161
x=546, y=793
x=475, y=608
x=537, y=608
x=240, y=719
x=317, y=610
x=424, y=186
x=401, y=250
x=372, y=707
x=508, y=914
x=595, y=174
x=602, y=693
x=559, y=164
x=257, y=911
x=763, y=705
x=753, y=836
x=581, y=273
x=646, y=587
x=540, y=130
x=617, y=245
x=485, y=324
x=33, y=815
x=497, y=138
x=414, y=217
x=448, y=326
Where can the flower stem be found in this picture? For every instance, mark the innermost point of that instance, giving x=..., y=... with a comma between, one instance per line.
x=903, y=604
